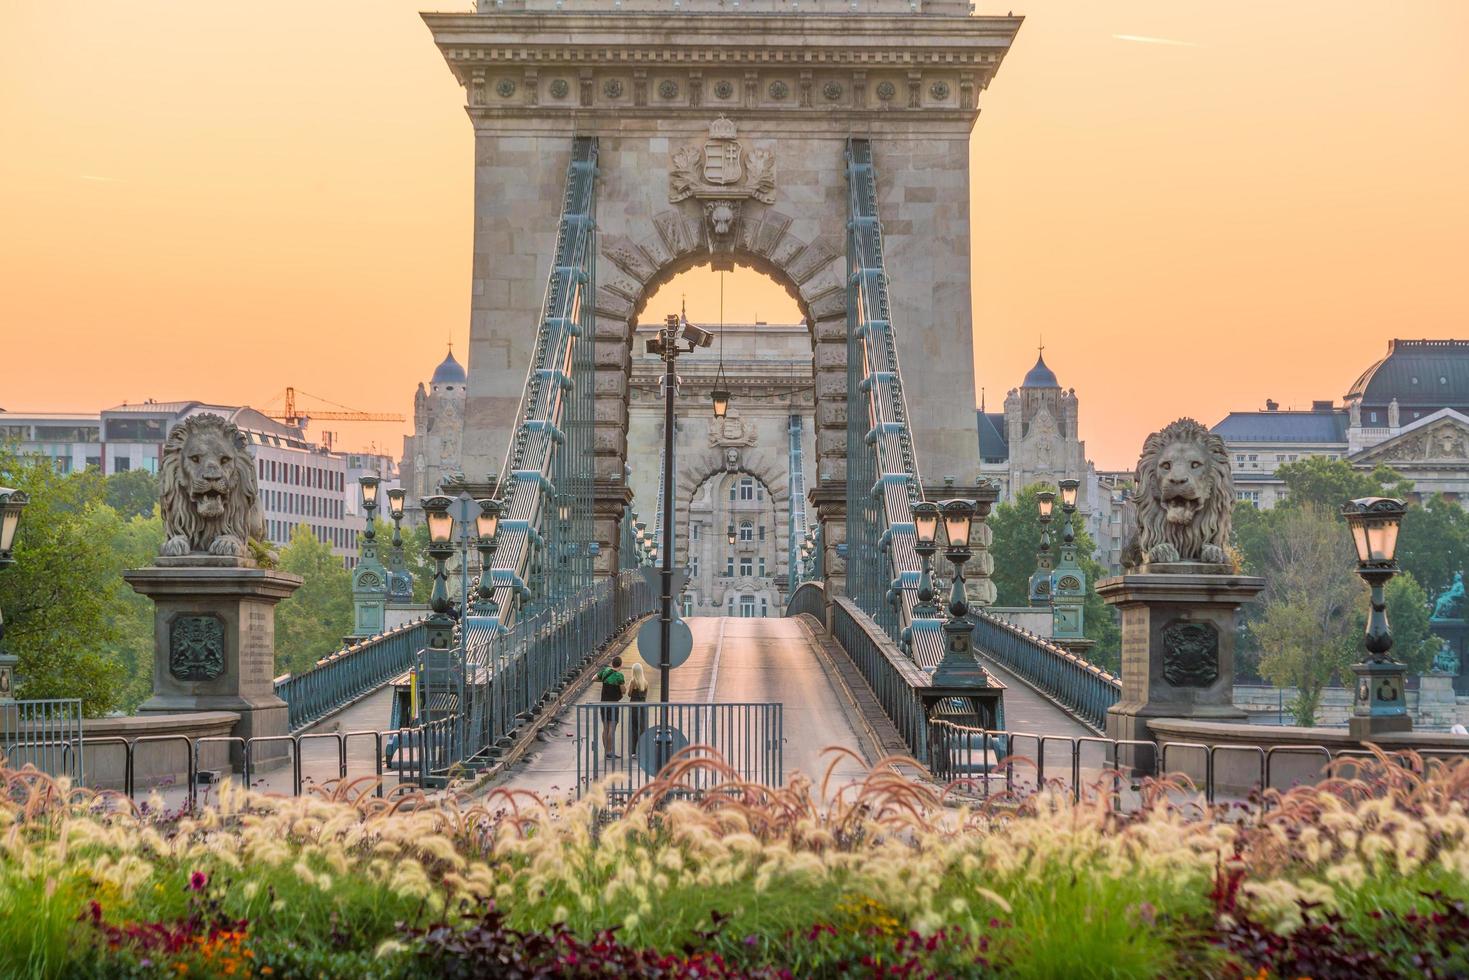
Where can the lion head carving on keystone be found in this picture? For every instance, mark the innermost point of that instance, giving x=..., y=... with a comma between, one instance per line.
x=207, y=490
x=1184, y=497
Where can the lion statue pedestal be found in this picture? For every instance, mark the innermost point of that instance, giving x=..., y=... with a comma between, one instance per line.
x=1181, y=594
x=214, y=616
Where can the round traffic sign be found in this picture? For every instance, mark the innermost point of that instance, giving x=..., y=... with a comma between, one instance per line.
x=650, y=643
x=657, y=745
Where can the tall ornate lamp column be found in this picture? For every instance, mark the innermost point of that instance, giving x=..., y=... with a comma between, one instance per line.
x=1381, y=702
x=12, y=503
x=1068, y=588
x=959, y=679
x=487, y=525
x=400, y=580
x=369, y=578
x=437, y=673
x=1040, y=580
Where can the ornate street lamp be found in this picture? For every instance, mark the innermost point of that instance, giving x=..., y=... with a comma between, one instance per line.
x=487, y=525
x=1068, y=582
x=369, y=578
x=926, y=528
x=440, y=548
x=12, y=503
x=730, y=536
x=400, y=582
x=1040, y=581
x=1380, y=704
x=959, y=686
x=720, y=394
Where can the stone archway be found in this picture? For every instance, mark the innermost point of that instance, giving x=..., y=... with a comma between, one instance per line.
x=635, y=262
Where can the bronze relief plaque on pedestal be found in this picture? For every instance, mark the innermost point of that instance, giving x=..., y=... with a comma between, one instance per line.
x=196, y=648
x=1190, y=653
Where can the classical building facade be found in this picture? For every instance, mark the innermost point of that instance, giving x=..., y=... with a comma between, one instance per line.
x=745, y=475
x=433, y=452
x=1037, y=439
x=1409, y=410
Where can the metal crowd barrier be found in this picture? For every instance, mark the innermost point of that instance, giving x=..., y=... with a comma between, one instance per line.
x=348, y=674
x=748, y=736
x=45, y=733
x=893, y=677
x=981, y=763
x=1078, y=685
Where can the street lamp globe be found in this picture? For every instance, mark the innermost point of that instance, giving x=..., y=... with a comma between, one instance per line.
x=1068, y=494
x=958, y=516
x=12, y=502
x=1045, y=501
x=720, y=398
x=369, y=491
x=440, y=521
x=730, y=535
x=1374, y=522
x=487, y=522
x=926, y=522
x=397, y=496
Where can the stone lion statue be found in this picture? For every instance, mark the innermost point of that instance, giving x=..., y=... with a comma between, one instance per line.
x=207, y=490
x=1184, y=497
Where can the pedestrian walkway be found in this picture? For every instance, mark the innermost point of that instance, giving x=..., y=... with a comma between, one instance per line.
x=732, y=660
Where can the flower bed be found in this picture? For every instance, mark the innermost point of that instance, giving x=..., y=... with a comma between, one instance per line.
x=1357, y=878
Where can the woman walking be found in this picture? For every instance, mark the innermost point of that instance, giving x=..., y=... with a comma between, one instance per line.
x=637, y=721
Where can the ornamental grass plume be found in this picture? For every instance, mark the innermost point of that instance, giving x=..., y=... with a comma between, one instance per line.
x=799, y=878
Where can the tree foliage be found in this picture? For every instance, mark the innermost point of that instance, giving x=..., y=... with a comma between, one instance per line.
x=312, y=622
x=1408, y=614
x=132, y=493
x=1326, y=484
x=1308, y=629
x=1017, y=532
x=58, y=598
x=1434, y=543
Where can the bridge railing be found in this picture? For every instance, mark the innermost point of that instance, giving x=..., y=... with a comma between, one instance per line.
x=809, y=599
x=348, y=674
x=544, y=555
x=891, y=674
x=1085, y=690
x=510, y=675
x=883, y=479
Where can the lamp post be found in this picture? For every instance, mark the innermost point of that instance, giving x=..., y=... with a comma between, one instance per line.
x=400, y=581
x=1380, y=704
x=437, y=675
x=668, y=345
x=1040, y=581
x=1068, y=586
x=926, y=528
x=958, y=678
x=369, y=578
x=12, y=503
x=487, y=525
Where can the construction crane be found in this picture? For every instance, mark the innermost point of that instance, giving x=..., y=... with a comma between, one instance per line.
x=298, y=419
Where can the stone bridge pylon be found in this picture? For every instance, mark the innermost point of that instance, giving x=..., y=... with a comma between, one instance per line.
x=722, y=130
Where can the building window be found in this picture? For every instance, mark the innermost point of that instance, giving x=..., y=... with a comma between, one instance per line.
x=764, y=608
x=1372, y=417
x=1248, y=496
x=729, y=565
x=747, y=607
x=747, y=489
x=731, y=500
x=694, y=532
x=746, y=567
x=762, y=532
x=693, y=566
x=688, y=607
x=121, y=464
x=762, y=566
x=747, y=531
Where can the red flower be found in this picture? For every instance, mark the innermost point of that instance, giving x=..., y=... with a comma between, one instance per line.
x=197, y=881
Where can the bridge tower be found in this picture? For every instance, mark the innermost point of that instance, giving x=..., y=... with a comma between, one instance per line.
x=722, y=129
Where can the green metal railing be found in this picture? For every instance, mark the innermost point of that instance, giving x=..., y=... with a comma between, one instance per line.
x=349, y=674
x=544, y=555
x=809, y=599
x=1080, y=687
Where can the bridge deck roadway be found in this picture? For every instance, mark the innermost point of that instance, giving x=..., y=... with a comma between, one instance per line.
x=733, y=660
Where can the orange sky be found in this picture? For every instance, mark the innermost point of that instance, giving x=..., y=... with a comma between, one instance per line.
x=1199, y=204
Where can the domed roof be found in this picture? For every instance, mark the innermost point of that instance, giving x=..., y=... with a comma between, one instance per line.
x=450, y=372
x=1040, y=376
x=1419, y=373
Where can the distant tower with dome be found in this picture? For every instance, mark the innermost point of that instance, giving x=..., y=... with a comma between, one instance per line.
x=433, y=452
x=1037, y=439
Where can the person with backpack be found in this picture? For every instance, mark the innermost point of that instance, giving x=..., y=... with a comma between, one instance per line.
x=612, y=682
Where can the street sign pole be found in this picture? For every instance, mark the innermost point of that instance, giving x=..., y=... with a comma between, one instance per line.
x=670, y=352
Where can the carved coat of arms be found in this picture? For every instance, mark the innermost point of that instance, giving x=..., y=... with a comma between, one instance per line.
x=721, y=168
x=196, y=648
